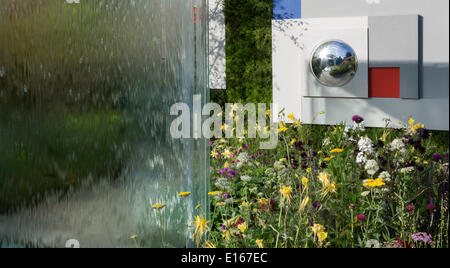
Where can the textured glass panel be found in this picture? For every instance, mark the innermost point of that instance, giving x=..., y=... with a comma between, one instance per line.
x=85, y=145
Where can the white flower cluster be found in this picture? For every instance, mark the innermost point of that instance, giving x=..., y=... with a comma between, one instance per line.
x=371, y=167
x=398, y=145
x=229, y=200
x=407, y=170
x=223, y=184
x=242, y=158
x=246, y=178
x=365, y=145
x=326, y=142
x=278, y=165
x=385, y=176
x=359, y=126
x=361, y=158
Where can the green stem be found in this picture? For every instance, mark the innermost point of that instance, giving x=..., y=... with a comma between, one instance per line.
x=161, y=229
x=279, y=225
x=285, y=227
x=188, y=220
x=351, y=224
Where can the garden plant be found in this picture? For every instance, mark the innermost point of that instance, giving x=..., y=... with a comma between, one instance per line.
x=359, y=188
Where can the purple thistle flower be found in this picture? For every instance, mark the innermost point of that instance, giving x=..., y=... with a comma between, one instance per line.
x=423, y=133
x=357, y=119
x=316, y=204
x=431, y=207
x=437, y=157
x=260, y=154
x=252, y=157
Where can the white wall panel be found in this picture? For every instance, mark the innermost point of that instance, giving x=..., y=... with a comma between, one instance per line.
x=217, y=60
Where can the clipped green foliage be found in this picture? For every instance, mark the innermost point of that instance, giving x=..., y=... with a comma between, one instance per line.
x=249, y=50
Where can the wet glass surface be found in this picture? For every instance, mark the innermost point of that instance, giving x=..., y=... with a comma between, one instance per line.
x=85, y=145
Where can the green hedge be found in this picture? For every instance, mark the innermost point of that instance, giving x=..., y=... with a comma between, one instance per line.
x=249, y=52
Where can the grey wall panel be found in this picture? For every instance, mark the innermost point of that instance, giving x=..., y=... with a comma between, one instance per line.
x=394, y=42
x=352, y=31
x=430, y=112
x=435, y=15
x=433, y=106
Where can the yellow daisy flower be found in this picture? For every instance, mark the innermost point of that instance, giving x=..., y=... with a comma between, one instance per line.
x=286, y=194
x=184, y=194
x=158, y=206
x=201, y=228
x=291, y=116
x=259, y=242
x=242, y=227
x=305, y=182
x=263, y=201
x=304, y=204
x=374, y=183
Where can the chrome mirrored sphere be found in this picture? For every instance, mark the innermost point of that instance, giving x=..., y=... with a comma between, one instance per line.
x=334, y=63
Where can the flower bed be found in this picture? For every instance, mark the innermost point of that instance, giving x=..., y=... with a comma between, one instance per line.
x=352, y=191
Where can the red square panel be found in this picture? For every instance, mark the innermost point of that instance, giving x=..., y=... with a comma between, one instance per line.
x=384, y=82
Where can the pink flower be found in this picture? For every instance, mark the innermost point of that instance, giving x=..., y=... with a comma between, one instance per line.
x=424, y=237
x=357, y=119
x=410, y=208
x=361, y=217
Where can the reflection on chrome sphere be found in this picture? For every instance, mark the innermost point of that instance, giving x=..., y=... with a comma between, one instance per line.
x=334, y=63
